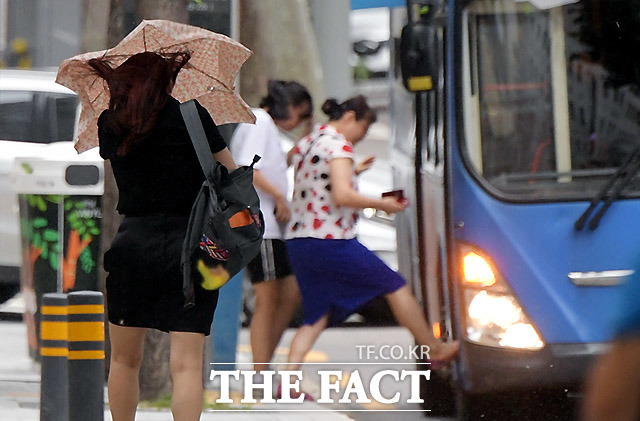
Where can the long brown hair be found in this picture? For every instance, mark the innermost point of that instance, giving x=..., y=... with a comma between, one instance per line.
x=139, y=89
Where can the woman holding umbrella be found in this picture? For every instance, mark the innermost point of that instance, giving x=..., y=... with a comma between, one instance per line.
x=158, y=177
x=130, y=96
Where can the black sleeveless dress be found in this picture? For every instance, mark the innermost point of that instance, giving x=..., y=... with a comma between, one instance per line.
x=158, y=180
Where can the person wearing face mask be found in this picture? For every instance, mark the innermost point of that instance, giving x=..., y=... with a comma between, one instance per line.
x=336, y=274
x=286, y=106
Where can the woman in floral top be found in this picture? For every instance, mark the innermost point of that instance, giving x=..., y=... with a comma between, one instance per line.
x=336, y=273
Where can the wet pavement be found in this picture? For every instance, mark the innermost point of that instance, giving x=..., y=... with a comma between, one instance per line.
x=20, y=391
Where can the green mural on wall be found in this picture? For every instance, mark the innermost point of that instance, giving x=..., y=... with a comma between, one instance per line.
x=40, y=231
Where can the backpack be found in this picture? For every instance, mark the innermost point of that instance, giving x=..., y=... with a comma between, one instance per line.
x=225, y=225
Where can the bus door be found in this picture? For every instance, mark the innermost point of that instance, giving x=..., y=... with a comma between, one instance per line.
x=418, y=124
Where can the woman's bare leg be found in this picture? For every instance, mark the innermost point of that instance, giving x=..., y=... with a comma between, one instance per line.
x=303, y=341
x=408, y=313
x=288, y=302
x=127, y=348
x=187, y=349
x=276, y=303
x=262, y=323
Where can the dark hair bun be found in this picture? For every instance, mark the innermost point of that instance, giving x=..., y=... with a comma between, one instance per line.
x=331, y=107
x=357, y=104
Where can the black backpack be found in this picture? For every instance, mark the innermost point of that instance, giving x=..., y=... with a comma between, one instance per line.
x=225, y=226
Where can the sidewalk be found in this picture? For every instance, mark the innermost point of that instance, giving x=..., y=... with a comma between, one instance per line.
x=20, y=391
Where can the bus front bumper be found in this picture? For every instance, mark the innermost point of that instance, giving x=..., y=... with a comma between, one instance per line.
x=487, y=369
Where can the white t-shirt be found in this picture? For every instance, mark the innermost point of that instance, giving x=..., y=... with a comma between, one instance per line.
x=263, y=139
x=313, y=210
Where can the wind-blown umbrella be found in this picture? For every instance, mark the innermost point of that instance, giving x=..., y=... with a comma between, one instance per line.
x=208, y=76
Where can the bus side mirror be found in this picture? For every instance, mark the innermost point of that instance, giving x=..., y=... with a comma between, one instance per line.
x=419, y=56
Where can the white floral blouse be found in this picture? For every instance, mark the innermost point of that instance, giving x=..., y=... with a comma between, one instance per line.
x=314, y=212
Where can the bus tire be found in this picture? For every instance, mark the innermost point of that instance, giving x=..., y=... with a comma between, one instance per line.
x=472, y=407
x=532, y=405
x=437, y=395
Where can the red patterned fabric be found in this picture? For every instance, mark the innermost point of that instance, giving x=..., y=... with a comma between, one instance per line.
x=208, y=76
x=314, y=212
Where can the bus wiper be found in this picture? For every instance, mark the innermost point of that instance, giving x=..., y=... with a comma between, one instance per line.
x=624, y=175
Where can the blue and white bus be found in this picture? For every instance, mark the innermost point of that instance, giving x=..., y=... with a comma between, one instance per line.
x=530, y=112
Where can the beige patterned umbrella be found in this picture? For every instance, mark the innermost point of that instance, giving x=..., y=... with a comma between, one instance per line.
x=208, y=76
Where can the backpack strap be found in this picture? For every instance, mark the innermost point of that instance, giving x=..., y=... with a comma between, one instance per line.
x=198, y=137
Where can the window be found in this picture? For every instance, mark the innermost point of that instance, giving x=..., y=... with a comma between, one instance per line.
x=551, y=122
x=39, y=117
x=16, y=115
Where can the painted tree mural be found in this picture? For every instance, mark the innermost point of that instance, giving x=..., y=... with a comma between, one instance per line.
x=41, y=234
x=83, y=228
x=42, y=239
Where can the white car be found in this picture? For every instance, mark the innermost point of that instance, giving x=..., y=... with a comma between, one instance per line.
x=34, y=112
x=370, y=37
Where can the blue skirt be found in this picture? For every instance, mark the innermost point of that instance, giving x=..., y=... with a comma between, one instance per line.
x=337, y=277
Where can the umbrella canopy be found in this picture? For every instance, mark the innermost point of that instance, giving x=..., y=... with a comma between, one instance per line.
x=208, y=76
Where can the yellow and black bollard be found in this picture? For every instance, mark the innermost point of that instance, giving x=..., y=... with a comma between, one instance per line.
x=53, y=349
x=86, y=356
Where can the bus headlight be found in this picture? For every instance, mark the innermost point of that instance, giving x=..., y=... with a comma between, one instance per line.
x=494, y=317
x=521, y=335
x=499, y=310
x=477, y=271
x=498, y=320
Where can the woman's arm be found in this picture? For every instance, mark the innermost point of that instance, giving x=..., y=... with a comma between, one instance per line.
x=291, y=153
x=364, y=165
x=224, y=156
x=282, y=211
x=343, y=193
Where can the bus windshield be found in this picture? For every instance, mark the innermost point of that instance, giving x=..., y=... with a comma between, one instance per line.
x=551, y=96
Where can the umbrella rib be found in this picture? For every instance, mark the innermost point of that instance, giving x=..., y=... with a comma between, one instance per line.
x=93, y=82
x=112, y=56
x=94, y=100
x=212, y=77
x=178, y=42
x=191, y=66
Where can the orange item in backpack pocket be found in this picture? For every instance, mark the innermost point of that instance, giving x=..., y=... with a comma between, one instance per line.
x=241, y=219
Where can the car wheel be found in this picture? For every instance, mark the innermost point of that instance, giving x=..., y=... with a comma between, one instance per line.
x=7, y=291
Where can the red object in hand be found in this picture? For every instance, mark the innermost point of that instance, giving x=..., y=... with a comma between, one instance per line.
x=398, y=194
